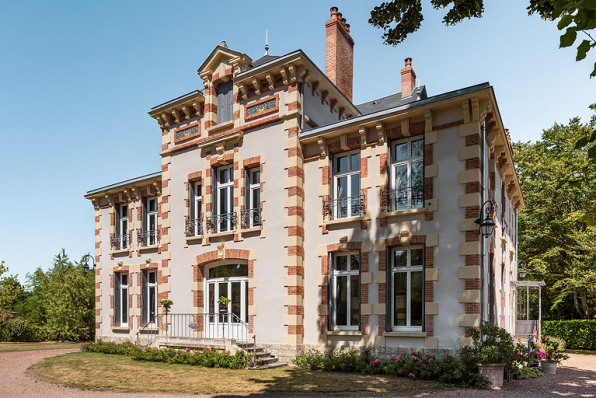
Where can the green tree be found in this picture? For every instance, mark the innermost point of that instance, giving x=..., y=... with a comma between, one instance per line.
x=399, y=18
x=10, y=289
x=558, y=180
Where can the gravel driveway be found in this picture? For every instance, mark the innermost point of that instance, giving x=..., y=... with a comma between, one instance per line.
x=577, y=378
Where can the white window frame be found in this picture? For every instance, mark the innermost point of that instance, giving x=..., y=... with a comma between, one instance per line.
x=408, y=163
x=152, y=237
x=229, y=187
x=408, y=269
x=149, y=287
x=123, y=222
x=335, y=275
x=348, y=174
x=253, y=186
x=197, y=205
x=124, y=299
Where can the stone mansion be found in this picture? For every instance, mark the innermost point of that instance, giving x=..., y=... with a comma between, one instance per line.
x=311, y=221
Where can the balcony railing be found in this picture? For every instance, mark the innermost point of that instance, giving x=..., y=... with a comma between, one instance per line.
x=251, y=218
x=120, y=242
x=148, y=238
x=351, y=206
x=405, y=198
x=222, y=222
x=194, y=227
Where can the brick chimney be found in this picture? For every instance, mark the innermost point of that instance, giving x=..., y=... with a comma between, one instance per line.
x=408, y=79
x=339, y=61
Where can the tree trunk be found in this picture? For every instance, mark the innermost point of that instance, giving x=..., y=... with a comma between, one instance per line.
x=577, y=307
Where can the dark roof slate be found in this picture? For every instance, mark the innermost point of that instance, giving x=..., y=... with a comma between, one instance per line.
x=263, y=60
x=391, y=101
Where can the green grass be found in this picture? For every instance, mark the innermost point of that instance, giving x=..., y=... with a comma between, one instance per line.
x=46, y=345
x=101, y=371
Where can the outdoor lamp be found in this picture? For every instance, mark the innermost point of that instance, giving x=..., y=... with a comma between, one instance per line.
x=86, y=264
x=486, y=224
x=521, y=269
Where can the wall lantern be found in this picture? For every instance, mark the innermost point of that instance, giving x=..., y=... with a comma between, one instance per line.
x=486, y=224
x=521, y=269
x=86, y=263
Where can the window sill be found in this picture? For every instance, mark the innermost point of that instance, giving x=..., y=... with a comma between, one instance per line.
x=253, y=229
x=343, y=333
x=221, y=126
x=146, y=248
x=344, y=220
x=117, y=252
x=120, y=329
x=222, y=234
x=197, y=238
x=405, y=334
x=405, y=212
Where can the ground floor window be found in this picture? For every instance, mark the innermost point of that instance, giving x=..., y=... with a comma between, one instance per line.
x=345, y=291
x=149, y=298
x=120, y=299
x=407, y=283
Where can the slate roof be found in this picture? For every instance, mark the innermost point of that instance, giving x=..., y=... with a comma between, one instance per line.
x=263, y=60
x=391, y=101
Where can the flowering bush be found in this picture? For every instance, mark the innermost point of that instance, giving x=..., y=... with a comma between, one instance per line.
x=207, y=357
x=447, y=370
x=553, y=349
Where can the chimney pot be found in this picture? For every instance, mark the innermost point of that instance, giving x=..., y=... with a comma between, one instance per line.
x=408, y=62
x=339, y=61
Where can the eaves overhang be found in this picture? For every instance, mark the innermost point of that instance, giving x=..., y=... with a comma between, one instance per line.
x=196, y=94
x=142, y=180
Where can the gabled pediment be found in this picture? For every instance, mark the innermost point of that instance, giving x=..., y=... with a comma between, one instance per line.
x=221, y=60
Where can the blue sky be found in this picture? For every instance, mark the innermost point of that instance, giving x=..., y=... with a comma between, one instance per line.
x=78, y=78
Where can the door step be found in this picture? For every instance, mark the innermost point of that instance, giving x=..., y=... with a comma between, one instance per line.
x=263, y=359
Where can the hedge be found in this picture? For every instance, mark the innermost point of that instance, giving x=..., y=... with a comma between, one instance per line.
x=578, y=334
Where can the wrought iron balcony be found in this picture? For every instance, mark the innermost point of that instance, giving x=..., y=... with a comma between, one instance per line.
x=120, y=242
x=251, y=218
x=351, y=206
x=405, y=198
x=148, y=238
x=194, y=227
x=222, y=222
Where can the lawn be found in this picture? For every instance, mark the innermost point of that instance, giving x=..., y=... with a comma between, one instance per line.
x=101, y=371
x=47, y=345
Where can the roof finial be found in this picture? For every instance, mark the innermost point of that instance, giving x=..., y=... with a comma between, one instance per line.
x=223, y=44
x=266, y=43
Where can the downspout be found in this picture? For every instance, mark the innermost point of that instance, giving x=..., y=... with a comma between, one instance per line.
x=482, y=200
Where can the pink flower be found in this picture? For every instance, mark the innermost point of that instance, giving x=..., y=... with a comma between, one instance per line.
x=390, y=357
x=430, y=360
x=401, y=370
x=411, y=375
x=176, y=355
x=423, y=366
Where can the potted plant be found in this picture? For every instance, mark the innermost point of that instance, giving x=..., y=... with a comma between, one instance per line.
x=553, y=354
x=167, y=304
x=223, y=304
x=493, y=350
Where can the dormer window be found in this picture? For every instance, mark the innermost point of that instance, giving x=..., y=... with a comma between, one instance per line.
x=224, y=102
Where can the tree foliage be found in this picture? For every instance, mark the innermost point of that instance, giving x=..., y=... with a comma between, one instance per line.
x=558, y=180
x=10, y=289
x=400, y=18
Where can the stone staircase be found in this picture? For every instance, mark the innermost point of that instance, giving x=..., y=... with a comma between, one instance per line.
x=263, y=359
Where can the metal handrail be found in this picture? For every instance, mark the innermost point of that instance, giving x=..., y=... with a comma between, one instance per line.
x=144, y=237
x=251, y=218
x=333, y=208
x=215, y=221
x=151, y=322
x=404, y=198
x=194, y=227
x=120, y=242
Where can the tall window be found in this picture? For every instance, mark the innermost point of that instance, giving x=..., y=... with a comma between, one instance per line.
x=151, y=235
x=346, y=186
x=225, y=199
x=121, y=239
x=345, y=291
x=407, y=180
x=195, y=224
x=149, y=298
x=253, y=216
x=120, y=299
x=224, y=102
x=407, y=283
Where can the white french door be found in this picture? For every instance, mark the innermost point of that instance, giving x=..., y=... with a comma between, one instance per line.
x=227, y=321
x=225, y=198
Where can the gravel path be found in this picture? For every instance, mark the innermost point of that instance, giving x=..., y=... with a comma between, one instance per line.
x=577, y=378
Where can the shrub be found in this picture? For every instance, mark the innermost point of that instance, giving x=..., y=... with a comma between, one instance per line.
x=17, y=329
x=491, y=344
x=529, y=373
x=449, y=370
x=553, y=349
x=578, y=334
x=207, y=357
